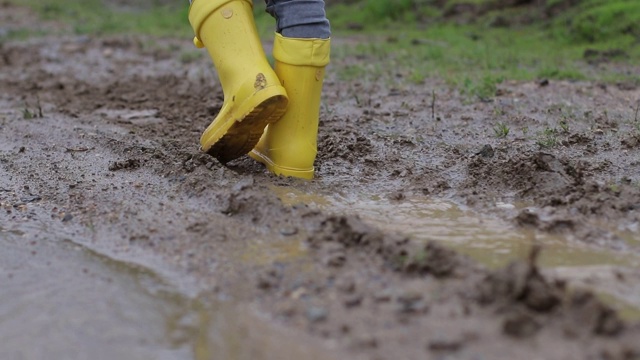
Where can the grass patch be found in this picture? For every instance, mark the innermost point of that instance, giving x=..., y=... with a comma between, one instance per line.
x=548, y=138
x=473, y=58
x=407, y=41
x=96, y=17
x=29, y=112
x=366, y=14
x=477, y=56
x=501, y=130
x=150, y=17
x=483, y=89
x=600, y=20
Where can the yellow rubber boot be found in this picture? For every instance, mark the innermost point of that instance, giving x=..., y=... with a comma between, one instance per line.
x=289, y=146
x=253, y=95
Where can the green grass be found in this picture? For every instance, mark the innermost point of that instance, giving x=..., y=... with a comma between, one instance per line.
x=483, y=89
x=377, y=13
x=501, y=130
x=94, y=17
x=407, y=41
x=29, y=112
x=602, y=20
x=547, y=138
x=474, y=59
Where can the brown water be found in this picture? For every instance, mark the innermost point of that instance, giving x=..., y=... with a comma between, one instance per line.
x=489, y=240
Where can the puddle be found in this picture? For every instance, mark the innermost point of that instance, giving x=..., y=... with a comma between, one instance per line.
x=490, y=241
x=60, y=300
x=264, y=253
x=74, y=304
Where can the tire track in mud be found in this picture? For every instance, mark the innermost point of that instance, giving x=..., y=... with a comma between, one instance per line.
x=378, y=294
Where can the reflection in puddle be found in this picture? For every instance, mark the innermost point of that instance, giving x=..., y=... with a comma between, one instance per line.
x=490, y=241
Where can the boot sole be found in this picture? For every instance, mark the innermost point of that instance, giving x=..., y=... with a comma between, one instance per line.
x=242, y=134
x=281, y=170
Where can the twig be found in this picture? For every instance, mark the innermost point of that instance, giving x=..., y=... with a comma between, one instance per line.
x=39, y=107
x=534, y=254
x=433, y=104
x=77, y=149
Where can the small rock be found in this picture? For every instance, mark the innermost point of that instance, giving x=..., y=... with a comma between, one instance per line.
x=417, y=307
x=444, y=345
x=269, y=279
x=67, y=217
x=243, y=184
x=520, y=326
x=486, y=151
x=411, y=302
x=353, y=300
x=366, y=341
x=506, y=206
x=298, y=293
x=409, y=296
x=20, y=206
x=126, y=164
x=30, y=199
x=384, y=295
x=317, y=314
x=346, y=285
x=286, y=309
x=189, y=166
x=334, y=259
x=397, y=196
x=288, y=231
x=631, y=141
x=334, y=254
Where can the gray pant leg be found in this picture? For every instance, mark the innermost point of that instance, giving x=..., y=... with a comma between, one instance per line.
x=304, y=19
x=300, y=18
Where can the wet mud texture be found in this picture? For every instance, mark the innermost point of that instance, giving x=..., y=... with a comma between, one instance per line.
x=98, y=136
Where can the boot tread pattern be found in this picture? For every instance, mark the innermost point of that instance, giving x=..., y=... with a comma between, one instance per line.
x=245, y=133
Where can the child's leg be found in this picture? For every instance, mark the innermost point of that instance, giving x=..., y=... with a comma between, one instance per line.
x=300, y=18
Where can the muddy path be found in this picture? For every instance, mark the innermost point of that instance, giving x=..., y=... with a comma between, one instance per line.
x=402, y=246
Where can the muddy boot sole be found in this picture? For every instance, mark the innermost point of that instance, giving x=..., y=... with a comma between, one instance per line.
x=245, y=133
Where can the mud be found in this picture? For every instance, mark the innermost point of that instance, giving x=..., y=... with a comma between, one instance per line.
x=98, y=149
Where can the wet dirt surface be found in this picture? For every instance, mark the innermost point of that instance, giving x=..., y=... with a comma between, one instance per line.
x=75, y=304
x=402, y=247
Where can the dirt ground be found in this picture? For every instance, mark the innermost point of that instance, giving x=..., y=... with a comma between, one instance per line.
x=98, y=146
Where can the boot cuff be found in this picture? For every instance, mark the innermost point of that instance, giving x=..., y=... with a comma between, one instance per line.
x=199, y=11
x=301, y=52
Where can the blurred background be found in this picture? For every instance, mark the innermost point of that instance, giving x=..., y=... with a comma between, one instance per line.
x=472, y=44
